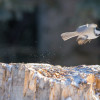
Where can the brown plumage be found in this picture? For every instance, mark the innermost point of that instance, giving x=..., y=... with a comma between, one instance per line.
x=80, y=41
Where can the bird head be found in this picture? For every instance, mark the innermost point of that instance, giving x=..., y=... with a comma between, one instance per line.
x=97, y=31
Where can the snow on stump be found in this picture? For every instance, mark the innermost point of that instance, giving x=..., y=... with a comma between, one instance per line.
x=34, y=81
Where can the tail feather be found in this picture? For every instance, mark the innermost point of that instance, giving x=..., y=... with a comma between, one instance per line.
x=67, y=35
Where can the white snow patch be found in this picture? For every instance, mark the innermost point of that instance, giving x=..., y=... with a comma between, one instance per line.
x=8, y=66
x=69, y=98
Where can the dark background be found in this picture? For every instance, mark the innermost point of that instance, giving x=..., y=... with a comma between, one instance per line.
x=30, y=31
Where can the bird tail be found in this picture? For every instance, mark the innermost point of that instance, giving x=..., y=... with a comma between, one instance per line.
x=67, y=35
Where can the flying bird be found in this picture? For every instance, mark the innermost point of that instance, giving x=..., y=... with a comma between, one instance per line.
x=84, y=33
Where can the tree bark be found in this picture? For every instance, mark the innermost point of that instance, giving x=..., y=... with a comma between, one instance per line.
x=34, y=81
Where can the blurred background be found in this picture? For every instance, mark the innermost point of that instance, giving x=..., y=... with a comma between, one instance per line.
x=30, y=31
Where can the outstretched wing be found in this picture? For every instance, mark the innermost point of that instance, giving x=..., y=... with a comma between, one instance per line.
x=82, y=28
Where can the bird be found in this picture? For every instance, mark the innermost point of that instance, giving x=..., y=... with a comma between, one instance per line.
x=84, y=33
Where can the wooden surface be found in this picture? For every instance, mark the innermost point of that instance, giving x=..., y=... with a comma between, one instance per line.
x=34, y=81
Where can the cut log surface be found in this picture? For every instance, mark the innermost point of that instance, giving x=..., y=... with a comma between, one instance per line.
x=34, y=81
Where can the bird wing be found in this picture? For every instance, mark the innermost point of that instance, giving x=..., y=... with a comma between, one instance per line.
x=83, y=39
x=82, y=28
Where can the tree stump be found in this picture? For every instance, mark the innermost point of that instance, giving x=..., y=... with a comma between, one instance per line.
x=34, y=81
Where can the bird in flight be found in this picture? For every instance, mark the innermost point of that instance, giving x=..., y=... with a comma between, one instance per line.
x=84, y=33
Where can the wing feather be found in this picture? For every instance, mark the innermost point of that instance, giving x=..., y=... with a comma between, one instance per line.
x=82, y=28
